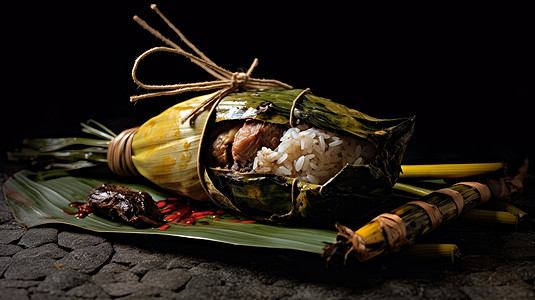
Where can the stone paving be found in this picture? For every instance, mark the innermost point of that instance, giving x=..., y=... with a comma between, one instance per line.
x=64, y=262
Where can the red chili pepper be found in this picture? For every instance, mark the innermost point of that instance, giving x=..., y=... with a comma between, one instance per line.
x=167, y=210
x=172, y=218
x=188, y=221
x=161, y=204
x=69, y=212
x=182, y=213
x=172, y=205
x=201, y=214
x=164, y=227
x=242, y=221
x=196, y=214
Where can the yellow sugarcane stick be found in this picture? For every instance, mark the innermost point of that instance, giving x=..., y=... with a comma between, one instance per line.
x=511, y=216
x=433, y=252
x=449, y=170
x=489, y=216
x=520, y=214
x=411, y=189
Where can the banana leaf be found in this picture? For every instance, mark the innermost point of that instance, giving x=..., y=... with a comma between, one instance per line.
x=354, y=194
x=37, y=200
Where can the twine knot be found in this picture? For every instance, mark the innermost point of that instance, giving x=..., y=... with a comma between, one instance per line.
x=226, y=81
x=239, y=79
x=350, y=242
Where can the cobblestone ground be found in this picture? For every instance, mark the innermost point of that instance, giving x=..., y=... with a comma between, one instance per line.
x=63, y=262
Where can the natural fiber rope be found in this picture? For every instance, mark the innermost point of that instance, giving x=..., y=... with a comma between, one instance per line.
x=432, y=211
x=456, y=196
x=294, y=190
x=119, y=154
x=358, y=246
x=294, y=104
x=481, y=188
x=227, y=82
x=394, y=230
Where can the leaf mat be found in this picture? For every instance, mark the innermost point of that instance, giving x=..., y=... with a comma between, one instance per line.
x=36, y=201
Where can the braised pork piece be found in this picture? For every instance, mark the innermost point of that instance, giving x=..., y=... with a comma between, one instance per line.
x=123, y=204
x=237, y=146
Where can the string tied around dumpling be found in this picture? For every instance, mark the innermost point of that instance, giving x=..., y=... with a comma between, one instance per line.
x=226, y=81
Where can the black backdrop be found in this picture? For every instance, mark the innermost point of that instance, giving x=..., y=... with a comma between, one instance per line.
x=467, y=73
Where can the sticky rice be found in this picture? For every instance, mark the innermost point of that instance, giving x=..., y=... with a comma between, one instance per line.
x=309, y=154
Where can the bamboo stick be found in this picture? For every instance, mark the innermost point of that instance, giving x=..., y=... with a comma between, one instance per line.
x=431, y=252
x=411, y=189
x=511, y=216
x=520, y=214
x=449, y=170
x=392, y=231
x=500, y=217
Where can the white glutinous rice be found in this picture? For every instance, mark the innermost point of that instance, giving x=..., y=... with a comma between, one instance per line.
x=312, y=155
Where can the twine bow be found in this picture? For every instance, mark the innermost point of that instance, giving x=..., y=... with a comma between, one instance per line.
x=227, y=82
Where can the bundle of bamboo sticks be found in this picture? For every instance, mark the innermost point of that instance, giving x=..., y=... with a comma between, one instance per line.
x=390, y=232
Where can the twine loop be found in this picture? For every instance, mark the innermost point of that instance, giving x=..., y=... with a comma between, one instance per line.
x=226, y=81
x=456, y=196
x=482, y=189
x=432, y=211
x=294, y=105
x=119, y=154
x=357, y=245
x=394, y=230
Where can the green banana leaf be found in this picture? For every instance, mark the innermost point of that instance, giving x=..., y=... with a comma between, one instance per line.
x=35, y=200
x=353, y=195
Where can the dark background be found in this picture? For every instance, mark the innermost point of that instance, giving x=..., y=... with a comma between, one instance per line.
x=467, y=73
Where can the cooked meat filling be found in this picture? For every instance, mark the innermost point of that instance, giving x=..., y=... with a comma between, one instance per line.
x=251, y=137
x=123, y=204
x=237, y=145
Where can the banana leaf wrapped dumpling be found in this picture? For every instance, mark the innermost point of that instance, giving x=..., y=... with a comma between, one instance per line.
x=276, y=155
